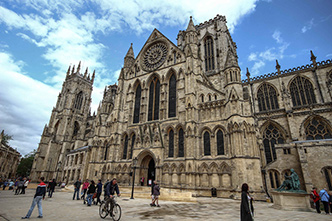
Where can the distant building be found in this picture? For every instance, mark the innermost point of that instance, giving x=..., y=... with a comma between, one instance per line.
x=192, y=123
x=9, y=160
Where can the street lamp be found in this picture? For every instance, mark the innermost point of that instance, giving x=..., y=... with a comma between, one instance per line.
x=134, y=167
x=59, y=165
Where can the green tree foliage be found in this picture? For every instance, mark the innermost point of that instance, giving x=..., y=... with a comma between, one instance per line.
x=25, y=164
x=6, y=138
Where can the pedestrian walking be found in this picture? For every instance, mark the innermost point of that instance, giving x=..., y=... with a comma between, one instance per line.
x=11, y=185
x=4, y=185
x=142, y=181
x=156, y=194
x=152, y=196
x=246, y=204
x=37, y=199
x=315, y=197
x=91, y=191
x=77, y=186
x=325, y=200
x=19, y=187
x=85, y=188
x=25, y=185
x=330, y=201
x=99, y=191
x=51, y=186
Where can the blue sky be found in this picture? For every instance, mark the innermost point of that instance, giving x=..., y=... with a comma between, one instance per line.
x=39, y=39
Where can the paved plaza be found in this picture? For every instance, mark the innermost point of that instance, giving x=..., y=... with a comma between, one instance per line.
x=62, y=207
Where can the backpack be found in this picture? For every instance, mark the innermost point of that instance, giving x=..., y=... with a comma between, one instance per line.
x=105, y=185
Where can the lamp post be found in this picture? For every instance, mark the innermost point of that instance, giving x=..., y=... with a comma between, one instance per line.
x=134, y=167
x=59, y=165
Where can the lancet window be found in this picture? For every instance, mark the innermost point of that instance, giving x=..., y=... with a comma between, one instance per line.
x=274, y=179
x=317, y=129
x=181, y=143
x=154, y=96
x=171, y=143
x=267, y=98
x=207, y=146
x=137, y=106
x=125, y=148
x=209, y=55
x=78, y=101
x=271, y=137
x=302, y=92
x=172, y=97
x=220, y=143
x=133, y=138
x=76, y=128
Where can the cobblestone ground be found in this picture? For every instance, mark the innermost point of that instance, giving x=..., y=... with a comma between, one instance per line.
x=62, y=207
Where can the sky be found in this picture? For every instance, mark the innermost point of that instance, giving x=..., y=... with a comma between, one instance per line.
x=40, y=39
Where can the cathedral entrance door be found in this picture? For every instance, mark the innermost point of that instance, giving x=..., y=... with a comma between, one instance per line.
x=148, y=170
x=151, y=172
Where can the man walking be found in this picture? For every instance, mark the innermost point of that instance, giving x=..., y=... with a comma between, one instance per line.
x=99, y=190
x=39, y=195
x=325, y=200
x=77, y=186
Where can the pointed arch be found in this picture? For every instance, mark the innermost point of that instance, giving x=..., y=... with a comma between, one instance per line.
x=137, y=105
x=317, y=128
x=208, y=53
x=272, y=136
x=302, y=91
x=133, y=138
x=267, y=97
x=76, y=128
x=206, y=143
x=172, y=95
x=166, y=168
x=220, y=142
x=78, y=101
x=171, y=143
x=180, y=142
x=154, y=97
x=125, y=147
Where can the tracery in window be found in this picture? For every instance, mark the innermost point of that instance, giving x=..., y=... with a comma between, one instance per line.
x=172, y=97
x=317, y=129
x=302, y=92
x=271, y=137
x=209, y=57
x=125, y=148
x=181, y=143
x=171, y=143
x=137, y=106
x=207, y=146
x=220, y=143
x=267, y=98
x=274, y=179
x=78, y=101
x=154, y=96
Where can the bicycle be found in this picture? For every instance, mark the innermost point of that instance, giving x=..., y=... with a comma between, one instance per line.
x=113, y=209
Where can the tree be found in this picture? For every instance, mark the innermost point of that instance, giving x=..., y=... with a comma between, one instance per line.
x=25, y=164
x=6, y=138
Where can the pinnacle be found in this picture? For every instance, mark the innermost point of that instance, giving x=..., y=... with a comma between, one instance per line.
x=191, y=26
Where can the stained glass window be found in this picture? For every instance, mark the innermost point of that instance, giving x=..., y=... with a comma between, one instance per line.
x=171, y=143
x=317, y=129
x=172, y=97
x=267, y=98
x=78, y=101
x=132, y=146
x=220, y=143
x=125, y=148
x=302, y=92
x=209, y=57
x=271, y=137
x=207, y=147
x=181, y=143
x=137, y=104
x=154, y=96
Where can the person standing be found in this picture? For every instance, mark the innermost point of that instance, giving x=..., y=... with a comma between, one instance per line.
x=25, y=185
x=91, y=190
x=315, y=197
x=51, y=186
x=142, y=181
x=77, y=186
x=39, y=195
x=99, y=190
x=85, y=188
x=19, y=187
x=325, y=200
x=152, y=196
x=246, y=209
x=330, y=201
x=156, y=193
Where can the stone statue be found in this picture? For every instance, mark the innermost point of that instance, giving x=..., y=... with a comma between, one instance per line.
x=292, y=182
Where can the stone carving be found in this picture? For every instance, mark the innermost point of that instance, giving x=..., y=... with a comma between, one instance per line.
x=291, y=183
x=154, y=56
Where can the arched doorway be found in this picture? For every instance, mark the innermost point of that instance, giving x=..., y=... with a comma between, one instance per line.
x=148, y=170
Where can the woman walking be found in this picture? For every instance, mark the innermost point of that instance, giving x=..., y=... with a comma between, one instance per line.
x=246, y=204
x=91, y=191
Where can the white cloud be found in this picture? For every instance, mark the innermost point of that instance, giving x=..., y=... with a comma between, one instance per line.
x=252, y=57
x=308, y=26
x=25, y=104
x=329, y=55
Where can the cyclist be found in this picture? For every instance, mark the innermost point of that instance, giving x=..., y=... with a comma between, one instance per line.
x=110, y=189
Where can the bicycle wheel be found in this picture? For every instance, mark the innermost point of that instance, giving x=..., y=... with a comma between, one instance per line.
x=116, y=213
x=103, y=210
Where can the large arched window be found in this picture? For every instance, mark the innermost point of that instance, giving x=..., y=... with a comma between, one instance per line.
x=125, y=148
x=274, y=179
x=181, y=143
x=328, y=176
x=267, y=98
x=207, y=147
x=154, y=94
x=137, y=104
x=208, y=51
x=76, y=128
x=317, y=129
x=78, y=101
x=172, y=97
x=171, y=143
x=302, y=92
x=220, y=143
x=133, y=138
x=271, y=137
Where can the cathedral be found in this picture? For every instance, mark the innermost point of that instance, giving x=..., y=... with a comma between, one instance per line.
x=181, y=114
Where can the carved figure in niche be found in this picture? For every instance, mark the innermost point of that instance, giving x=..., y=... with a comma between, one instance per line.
x=291, y=183
x=285, y=94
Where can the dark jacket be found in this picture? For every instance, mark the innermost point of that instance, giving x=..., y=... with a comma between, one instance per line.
x=77, y=184
x=91, y=189
x=99, y=187
x=156, y=190
x=41, y=190
x=245, y=211
x=152, y=187
x=110, y=188
x=52, y=185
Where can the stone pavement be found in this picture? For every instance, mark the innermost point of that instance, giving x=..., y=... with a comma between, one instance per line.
x=62, y=207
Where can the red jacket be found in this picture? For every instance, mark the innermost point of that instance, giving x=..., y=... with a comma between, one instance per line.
x=315, y=196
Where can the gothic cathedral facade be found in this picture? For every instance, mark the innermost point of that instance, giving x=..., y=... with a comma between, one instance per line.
x=182, y=115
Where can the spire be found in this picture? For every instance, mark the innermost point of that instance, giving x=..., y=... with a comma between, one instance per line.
x=130, y=52
x=86, y=72
x=79, y=67
x=313, y=58
x=93, y=76
x=248, y=75
x=277, y=66
x=72, y=70
x=191, y=26
x=68, y=72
